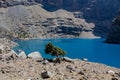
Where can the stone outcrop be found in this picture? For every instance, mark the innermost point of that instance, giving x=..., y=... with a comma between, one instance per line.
x=114, y=33
x=67, y=59
x=22, y=55
x=35, y=55
x=10, y=56
x=46, y=74
x=6, y=53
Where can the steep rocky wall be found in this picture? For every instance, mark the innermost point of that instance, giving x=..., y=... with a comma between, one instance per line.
x=114, y=33
x=36, y=22
x=92, y=9
x=100, y=12
x=95, y=9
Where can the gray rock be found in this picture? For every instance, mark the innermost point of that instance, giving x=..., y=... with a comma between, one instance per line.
x=85, y=59
x=118, y=74
x=111, y=72
x=6, y=69
x=114, y=79
x=22, y=55
x=10, y=56
x=68, y=59
x=35, y=55
x=44, y=62
x=47, y=74
x=69, y=67
x=82, y=73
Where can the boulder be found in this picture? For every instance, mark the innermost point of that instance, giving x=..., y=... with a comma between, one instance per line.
x=69, y=67
x=85, y=59
x=111, y=72
x=46, y=74
x=45, y=62
x=67, y=59
x=1, y=47
x=22, y=55
x=35, y=55
x=118, y=74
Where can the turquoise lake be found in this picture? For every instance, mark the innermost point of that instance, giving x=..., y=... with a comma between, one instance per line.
x=95, y=50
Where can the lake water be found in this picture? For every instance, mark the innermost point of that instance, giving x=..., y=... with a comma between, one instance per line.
x=94, y=50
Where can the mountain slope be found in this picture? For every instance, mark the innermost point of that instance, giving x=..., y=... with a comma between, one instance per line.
x=99, y=12
x=35, y=22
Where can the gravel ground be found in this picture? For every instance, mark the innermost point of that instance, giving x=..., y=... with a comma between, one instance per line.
x=29, y=69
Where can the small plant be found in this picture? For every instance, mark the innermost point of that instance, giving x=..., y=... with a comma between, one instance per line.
x=54, y=51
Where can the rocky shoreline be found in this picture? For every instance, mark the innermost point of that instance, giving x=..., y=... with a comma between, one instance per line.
x=34, y=67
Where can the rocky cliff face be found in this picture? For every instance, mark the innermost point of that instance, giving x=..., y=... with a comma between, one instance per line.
x=33, y=21
x=114, y=34
x=92, y=9
x=100, y=12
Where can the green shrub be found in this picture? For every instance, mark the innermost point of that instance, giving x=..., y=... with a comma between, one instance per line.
x=54, y=51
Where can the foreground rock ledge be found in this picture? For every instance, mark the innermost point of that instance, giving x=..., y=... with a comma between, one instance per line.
x=30, y=69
